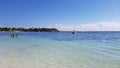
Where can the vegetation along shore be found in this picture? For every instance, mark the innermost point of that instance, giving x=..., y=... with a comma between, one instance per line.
x=9, y=29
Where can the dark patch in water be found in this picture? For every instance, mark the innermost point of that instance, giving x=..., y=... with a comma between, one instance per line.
x=35, y=45
x=22, y=49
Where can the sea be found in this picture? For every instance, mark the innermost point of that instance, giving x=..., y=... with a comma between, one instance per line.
x=89, y=49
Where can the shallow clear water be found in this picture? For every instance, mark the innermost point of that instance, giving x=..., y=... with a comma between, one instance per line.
x=60, y=50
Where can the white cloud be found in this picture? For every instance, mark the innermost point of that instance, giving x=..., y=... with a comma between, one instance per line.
x=101, y=26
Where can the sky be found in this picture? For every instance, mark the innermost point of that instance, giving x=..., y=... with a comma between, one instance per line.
x=65, y=15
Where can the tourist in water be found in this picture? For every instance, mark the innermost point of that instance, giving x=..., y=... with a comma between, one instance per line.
x=12, y=35
x=16, y=35
x=73, y=32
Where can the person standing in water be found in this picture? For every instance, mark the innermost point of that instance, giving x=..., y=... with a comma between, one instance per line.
x=12, y=35
x=73, y=32
x=16, y=35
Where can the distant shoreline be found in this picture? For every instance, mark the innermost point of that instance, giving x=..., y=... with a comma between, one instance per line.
x=8, y=29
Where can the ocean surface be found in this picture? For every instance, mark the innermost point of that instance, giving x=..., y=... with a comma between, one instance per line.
x=60, y=50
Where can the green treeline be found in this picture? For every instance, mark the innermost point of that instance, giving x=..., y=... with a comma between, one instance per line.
x=7, y=29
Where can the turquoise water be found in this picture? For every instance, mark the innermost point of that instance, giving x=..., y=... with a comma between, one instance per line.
x=60, y=50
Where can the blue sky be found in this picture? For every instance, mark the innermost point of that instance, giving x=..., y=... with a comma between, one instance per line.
x=47, y=13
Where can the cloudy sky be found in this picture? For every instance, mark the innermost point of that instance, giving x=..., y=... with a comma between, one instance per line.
x=66, y=15
x=100, y=26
